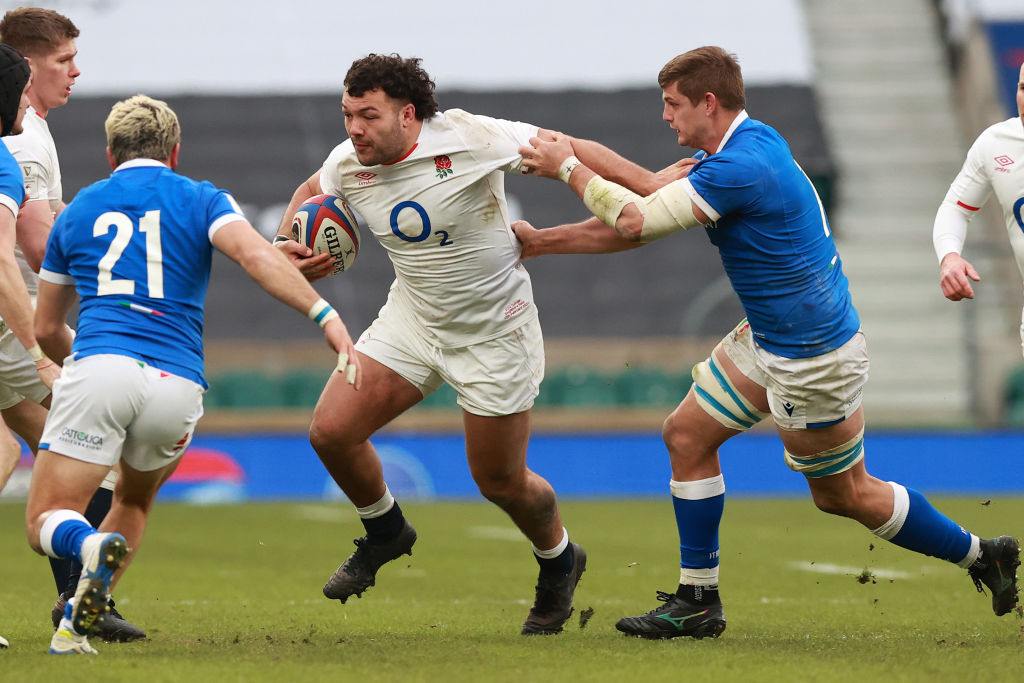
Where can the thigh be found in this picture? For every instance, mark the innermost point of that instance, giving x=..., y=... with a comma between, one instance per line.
x=500, y=376
x=164, y=422
x=344, y=411
x=94, y=401
x=26, y=419
x=496, y=445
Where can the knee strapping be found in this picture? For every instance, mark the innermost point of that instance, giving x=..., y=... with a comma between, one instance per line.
x=720, y=399
x=831, y=461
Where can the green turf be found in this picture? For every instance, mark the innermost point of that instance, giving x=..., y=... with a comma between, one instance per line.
x=232, y=593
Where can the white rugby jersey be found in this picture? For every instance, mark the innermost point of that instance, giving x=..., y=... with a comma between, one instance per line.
x=995, y=164
x=440, y=212
x=37, y=156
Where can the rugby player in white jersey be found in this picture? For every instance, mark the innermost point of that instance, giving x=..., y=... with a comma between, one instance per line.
x=460, y=310
x=994, y=165
x=47, y=39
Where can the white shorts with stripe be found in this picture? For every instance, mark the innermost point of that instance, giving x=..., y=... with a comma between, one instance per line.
x=108, y=407
x=803, y=393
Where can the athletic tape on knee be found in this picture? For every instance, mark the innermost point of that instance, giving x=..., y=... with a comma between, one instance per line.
x=699, y=489
x=832, y=461
x=720, y=399
x=900, y=508
x=50, y=525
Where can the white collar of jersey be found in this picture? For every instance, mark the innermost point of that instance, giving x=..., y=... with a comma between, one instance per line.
x=740, y=118
x=138, y=163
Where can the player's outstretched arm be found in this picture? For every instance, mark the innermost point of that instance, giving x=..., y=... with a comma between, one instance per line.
x=270, y=269
x=613, y=166
x=312, y=267
x=15, y=304
x=53, y=303
x=636, y=218
x=588, y=237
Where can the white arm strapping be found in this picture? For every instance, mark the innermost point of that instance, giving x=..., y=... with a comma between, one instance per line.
x=668, y=210
x=950, y=229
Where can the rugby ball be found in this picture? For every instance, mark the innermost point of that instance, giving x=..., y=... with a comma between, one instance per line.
x=327, y=225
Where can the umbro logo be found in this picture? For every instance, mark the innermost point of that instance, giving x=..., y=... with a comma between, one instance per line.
x=1003, y=160
x=365, y=177
x=789, y=408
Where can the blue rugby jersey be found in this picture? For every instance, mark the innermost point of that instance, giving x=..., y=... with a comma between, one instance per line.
x=137, y=248
x=12, y=184
x=774, y=240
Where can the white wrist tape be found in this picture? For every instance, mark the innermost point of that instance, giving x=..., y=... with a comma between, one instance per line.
x=321, y=312
x=37, y=353
x=567, y=167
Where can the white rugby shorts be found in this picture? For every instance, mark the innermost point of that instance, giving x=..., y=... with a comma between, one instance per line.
x=18, y=377
x=108, y=407
x=496, y=377
x=804, y=393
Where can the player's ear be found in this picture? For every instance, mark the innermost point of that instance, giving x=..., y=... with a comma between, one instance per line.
x=172, y=161
x=110, y=159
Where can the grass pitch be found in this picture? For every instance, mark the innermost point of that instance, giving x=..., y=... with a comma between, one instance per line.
x=232, y=593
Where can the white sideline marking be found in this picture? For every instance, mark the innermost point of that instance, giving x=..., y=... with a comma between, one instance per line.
x=497, y=533
x=828, y=568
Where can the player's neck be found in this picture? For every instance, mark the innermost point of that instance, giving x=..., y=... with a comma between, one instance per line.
x=412, y=139
x=41, y=109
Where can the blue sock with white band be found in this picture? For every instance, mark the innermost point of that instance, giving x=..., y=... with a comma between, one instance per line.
x=916, y=525
x=698, y=507
x=63, y=533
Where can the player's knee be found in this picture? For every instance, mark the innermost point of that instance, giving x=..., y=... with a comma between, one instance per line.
x=326, y=438
x=499, y=488
x=33, y=526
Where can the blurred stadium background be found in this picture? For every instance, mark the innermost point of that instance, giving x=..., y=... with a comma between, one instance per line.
x=879, y=101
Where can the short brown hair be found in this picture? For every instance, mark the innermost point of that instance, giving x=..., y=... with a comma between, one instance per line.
x=34, y=31
x=706, y=69
x=400, y=79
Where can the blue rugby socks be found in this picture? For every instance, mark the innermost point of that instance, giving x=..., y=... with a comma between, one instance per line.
x=916, y=525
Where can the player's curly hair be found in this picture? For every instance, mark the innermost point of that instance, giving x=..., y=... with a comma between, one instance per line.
x=400, y=79
x=142, y=128
x=706, y=69
x=34, y=31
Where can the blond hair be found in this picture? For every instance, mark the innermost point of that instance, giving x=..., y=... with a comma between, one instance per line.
x=142, y=128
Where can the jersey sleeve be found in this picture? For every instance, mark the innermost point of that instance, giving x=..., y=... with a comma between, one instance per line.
x=722, y=184
x=972, y=185
x=12, y=187
x=55, y=265
x=221, y=209
x=37, y=181
x=494, y=142
x=330, y=173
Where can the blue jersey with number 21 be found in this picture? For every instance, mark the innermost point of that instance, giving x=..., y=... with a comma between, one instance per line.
x=137, y=248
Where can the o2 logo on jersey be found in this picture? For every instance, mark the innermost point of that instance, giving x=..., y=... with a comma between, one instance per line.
x=1017, y=212
x=425, y=230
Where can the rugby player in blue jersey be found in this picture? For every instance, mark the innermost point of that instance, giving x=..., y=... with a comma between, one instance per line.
x=136, y=249
x=15, y=76
x=799, y=356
